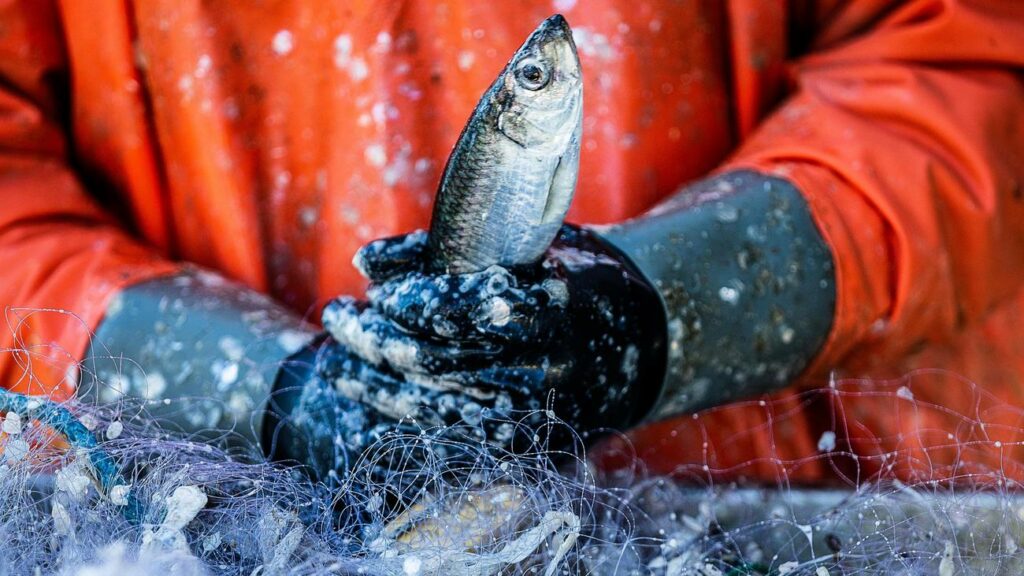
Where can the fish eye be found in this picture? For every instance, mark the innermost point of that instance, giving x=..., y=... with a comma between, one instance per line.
x=532, y=74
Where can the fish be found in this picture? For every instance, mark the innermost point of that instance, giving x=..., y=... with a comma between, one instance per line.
x=511, y=176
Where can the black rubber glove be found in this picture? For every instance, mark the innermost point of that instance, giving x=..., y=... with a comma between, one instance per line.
x=579, y=336
x=580, y=327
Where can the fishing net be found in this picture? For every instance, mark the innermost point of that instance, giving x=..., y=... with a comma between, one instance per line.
x=930, y=490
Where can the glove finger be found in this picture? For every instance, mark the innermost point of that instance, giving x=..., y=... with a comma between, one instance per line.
x=377, y=340
x=429, y=304
x=383, y=398
x=485, y=305
x=386, y=258
x=484, y=383
x=492, y=401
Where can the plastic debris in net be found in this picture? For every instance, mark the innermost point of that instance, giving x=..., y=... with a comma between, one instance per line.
x=428, y=545
x=180, y=508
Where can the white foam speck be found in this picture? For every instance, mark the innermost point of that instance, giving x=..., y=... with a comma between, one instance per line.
x=630, y=361
x=283, y=42
x=379, y=113
x=231, y=347
x=155, y=385
x=729, y=294
x=342, y=50
x=375, y=155
x=471, y=413
x=185, y=84
x=291, y=340
x=226, y=374
x=203, y=65
x=117, y=386
x=240, y=404
x=827, y=442
x=557, y=291
x=358, y=70
x=498, y=312
x=355, y=66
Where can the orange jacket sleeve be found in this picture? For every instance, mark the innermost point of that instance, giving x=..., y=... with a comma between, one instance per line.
x=908, y=142
x=60, y=252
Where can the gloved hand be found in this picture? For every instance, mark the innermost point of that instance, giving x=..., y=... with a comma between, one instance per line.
x=581, y=328
x=580, y=335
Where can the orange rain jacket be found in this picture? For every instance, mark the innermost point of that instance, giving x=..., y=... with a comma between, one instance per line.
x=269, y=140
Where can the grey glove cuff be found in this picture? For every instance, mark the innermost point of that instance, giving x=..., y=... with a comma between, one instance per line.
x=747, y=282
x=199, y=351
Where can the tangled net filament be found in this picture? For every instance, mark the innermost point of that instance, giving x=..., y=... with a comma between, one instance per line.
x=941, y=499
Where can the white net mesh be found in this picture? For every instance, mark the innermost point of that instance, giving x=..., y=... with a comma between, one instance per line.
x=912, y=476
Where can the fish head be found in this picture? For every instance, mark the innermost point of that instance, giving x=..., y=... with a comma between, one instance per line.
x=510, y=179
x=540, y=92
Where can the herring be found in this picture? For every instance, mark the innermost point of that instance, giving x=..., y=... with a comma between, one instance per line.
x=511, y=176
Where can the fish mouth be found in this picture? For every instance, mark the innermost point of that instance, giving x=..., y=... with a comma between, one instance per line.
x=555, y=31
x=555, y=25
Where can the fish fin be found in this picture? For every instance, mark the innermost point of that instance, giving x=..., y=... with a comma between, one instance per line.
x=563, y=186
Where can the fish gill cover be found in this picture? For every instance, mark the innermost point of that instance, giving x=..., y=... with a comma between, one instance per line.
x=437, y=501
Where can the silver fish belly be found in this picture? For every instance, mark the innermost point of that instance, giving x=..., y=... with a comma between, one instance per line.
x=512, y=174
